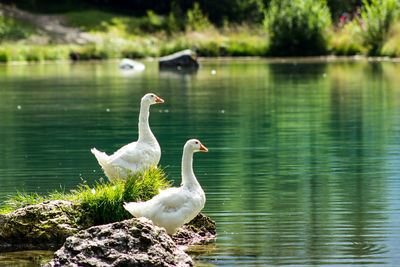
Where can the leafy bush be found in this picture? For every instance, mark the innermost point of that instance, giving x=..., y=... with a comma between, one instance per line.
x=4, y=56
x=298, y=27
x=391, y=47
x=377, y=17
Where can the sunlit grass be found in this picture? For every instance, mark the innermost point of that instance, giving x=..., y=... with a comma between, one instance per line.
x=104, y=201
x=391, y=47
x=346, y=41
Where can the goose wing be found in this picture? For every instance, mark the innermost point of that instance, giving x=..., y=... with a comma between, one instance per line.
x=127, y=156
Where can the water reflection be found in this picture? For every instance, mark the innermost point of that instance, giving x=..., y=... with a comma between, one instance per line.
x=303, y=161
x=30, y=258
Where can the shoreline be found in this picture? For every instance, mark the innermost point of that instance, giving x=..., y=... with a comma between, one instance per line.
x=283, y=60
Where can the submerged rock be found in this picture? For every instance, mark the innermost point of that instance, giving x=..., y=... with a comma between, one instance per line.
x=134, y=242
x=41, y=226
x=186, y=59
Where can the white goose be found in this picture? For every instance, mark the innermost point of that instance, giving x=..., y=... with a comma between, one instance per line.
x=136, y=156
x=175, y=206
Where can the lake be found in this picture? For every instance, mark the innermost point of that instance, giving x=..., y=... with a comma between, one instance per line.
x=303, y=165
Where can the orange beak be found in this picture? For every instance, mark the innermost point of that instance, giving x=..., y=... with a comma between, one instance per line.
x=159, y=100
x=203, y=148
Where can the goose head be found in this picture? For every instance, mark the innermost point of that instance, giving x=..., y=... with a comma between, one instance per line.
x=151, y=99
x=195, y=146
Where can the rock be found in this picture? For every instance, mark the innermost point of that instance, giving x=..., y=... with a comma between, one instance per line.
x=49, y=224
x=186, y=59
x=41, y=226
x=200, y=230
x=134, y=242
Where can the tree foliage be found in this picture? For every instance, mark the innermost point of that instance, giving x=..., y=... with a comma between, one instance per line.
x=298, y=27
x=377, y=17
x=217, y=11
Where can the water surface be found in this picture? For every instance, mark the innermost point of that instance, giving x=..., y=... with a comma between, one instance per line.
x=303, y=161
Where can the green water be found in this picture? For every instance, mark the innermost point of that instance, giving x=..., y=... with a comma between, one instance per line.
x=303, y=161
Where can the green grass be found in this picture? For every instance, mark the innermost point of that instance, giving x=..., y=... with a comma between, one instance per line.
x=90, y=20
x=103, y=202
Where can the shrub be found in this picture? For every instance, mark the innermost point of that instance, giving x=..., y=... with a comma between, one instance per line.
x=196, y=20
x=298, y=27
x=377, y=17
x=392, y=45
x=4, y=56
x=34, y=53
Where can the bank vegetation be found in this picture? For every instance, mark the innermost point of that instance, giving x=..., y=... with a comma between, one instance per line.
x=275, y=28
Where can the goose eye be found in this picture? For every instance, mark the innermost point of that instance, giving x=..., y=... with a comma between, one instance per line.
x=197, y=143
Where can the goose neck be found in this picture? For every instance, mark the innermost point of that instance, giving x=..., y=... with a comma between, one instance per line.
x=188, y=177
x=145, y=132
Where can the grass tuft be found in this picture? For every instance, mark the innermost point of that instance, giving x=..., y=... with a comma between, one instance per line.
x=103, y=202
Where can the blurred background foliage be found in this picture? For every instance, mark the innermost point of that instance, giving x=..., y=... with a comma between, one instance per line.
x=151, y=28
x=217, y=11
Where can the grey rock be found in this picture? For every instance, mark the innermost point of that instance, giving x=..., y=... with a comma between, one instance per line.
x=134, y=242
x=129, y=243
x=200, y=230
x=41, y=226
x=186, y=59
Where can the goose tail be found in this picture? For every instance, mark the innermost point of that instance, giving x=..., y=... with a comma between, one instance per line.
x=133, y=208
x=101, y=157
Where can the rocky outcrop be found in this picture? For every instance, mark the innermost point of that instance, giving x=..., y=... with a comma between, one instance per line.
x=200, y=230
x=59, y=223
x=42, y=226
x=186, y=59
x=134, y=242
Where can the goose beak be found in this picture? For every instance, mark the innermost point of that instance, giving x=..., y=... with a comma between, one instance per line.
x=159, y=100
x=203, y=148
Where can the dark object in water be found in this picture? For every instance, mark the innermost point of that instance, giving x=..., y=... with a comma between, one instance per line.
x=186, y=59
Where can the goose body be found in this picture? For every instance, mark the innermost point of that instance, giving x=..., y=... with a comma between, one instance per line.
x=136, y=156
x=175, y=206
